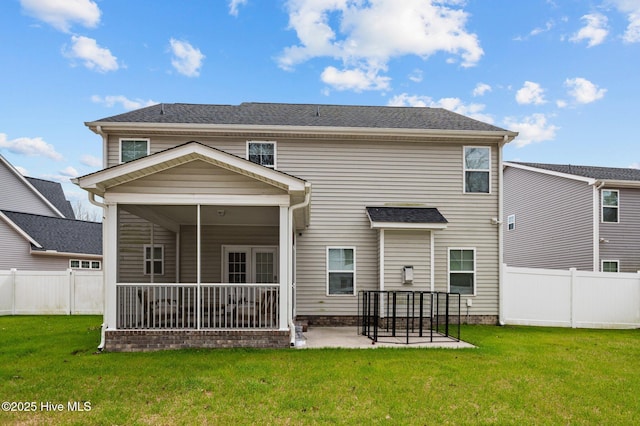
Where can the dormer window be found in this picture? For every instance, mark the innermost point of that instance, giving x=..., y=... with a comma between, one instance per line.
x=263, y=153
x=132, y=149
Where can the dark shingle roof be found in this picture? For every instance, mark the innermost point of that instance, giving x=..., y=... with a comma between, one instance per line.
x=275, y=114
x=406, y=215
x=600, y=173
x=63, y=235
x=53, y=192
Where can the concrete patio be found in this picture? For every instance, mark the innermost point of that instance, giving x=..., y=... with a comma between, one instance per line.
x=347, y=337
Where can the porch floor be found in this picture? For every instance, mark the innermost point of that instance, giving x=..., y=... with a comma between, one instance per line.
x=348, y=337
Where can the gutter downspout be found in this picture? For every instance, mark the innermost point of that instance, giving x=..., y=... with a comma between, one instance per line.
x=597, y=185
x=92, y=200
x=305, y=203
x=505, y=140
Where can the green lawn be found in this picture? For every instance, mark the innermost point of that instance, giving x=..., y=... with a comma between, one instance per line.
x=517, y=375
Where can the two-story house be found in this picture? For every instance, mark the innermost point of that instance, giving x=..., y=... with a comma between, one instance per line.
x=564, y=216
x=38, y=229
x=224, y=224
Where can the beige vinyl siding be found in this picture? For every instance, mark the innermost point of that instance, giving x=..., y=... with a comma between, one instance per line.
x=16, y=196
x=554, y=221
x=407, y=248
x=213, y=238
x=348, y=176
x=622, y=240
x=133, y=233
x=197, y=177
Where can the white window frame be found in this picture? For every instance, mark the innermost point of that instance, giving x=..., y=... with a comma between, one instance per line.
x=465, y=170
x=329, y=271
x=511, y=222
x=275, y=152
x=602, y=205
x=475, y=268
x=85, y=264
x=602, y=262
x=147, y=140
x=152, y=260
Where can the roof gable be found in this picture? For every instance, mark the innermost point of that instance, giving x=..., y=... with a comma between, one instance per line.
x=53, y=192
x=100, y=181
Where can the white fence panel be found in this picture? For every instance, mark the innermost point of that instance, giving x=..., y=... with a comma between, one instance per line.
x=51, y=292
x=548, y=297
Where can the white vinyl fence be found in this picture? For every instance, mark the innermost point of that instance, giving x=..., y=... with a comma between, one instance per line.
x=577, y=299
x=70, y=292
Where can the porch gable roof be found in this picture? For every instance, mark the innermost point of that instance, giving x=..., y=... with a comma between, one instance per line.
x=99, y=182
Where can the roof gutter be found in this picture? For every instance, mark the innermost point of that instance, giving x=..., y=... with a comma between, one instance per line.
x=196, y=128
x=66, y=254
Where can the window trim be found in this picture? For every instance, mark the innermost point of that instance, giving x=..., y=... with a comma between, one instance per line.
x=474, y=272
x=511, y=222
x=328, y=271
x=602, y=206
x=145, y=260
x=465, y=170
x=617, y=262
x=147, y=140
x=89, y=268
x=275, y=152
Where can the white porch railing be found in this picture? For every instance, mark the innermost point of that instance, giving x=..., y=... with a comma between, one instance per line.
x=179, y=306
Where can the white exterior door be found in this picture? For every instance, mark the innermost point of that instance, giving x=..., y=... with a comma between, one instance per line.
x=246, y=264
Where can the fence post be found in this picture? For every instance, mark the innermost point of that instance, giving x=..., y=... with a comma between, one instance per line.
x=572, y=294
x=72, y=291
x=13, y=290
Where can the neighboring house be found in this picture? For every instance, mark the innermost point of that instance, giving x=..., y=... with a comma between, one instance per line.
x=38, y=229
x=239, y=220
x=563, y=216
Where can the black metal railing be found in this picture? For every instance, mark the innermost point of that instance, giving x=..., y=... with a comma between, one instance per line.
x=409, y=316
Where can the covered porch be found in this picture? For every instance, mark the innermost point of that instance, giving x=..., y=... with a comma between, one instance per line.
x=197, y=239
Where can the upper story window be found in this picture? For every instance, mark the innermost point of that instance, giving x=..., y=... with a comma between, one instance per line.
x=263, y=153
x=132, y=149
x=511, y=222
x=477, y=169
x=610, y=205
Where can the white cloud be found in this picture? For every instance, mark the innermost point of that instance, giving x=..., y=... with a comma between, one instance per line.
x=60, y=14
x=481, y=89
x=530, y=93
x=632, y=9
x=364, y=36
x=531, y=129
x=595, y=30
x=31, y=147
x=635, y=166
x=22, y=170
x=91, y=161
x=128, y=104
x=354, y=79
x=94, y=57
x=539, y=30
x=456, y=105
x=234, y=5
x=416, y=76
x=584, y=91
x=69, y=172
x=187, y=59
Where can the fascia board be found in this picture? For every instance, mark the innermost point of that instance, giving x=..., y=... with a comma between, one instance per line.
x=408, y=226
x=66, y=254
x=19, y=230
x=619, y=183
x=589, y=181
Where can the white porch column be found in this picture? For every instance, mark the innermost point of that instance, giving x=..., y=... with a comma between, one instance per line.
x=110, y=263
x=285, y=260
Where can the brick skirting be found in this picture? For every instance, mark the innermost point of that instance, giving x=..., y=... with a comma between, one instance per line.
x=340, y=321
x=154, y=340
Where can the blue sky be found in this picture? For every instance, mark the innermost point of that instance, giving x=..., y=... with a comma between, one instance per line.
x=563, y=73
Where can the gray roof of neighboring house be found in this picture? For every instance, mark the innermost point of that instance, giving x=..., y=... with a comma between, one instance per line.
x=600, y=173
x=62, y=235
x=406, y=215
x=276, y=114
x=53, y=192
